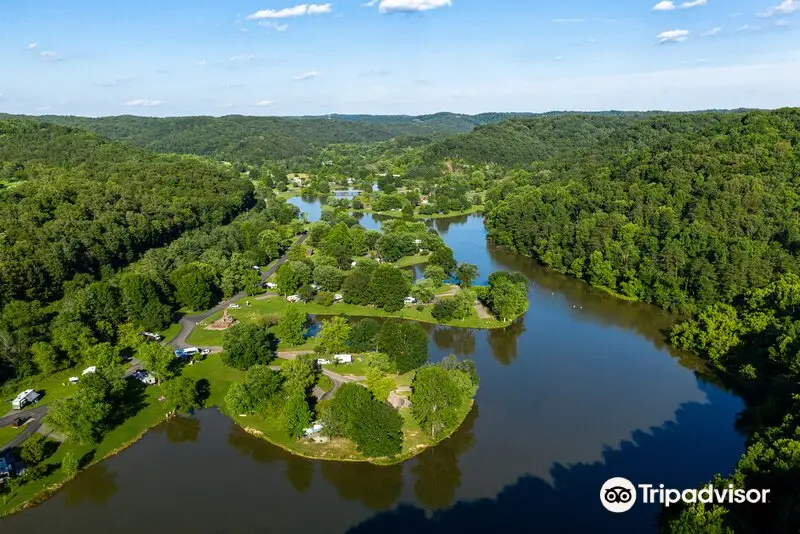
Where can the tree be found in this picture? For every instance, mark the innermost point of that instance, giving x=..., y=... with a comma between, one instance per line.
x=334, y=335
x=159, y=360
x=355, y=289
x=196, y=286
x=329, y=278
x=270, y=244
x=466, y=274
x=44, y=357
x=423, y=290
x=292, y=325
x=405, y=342
x=435, y=399
x=247, y=345
x=378, y=383
x=239, y=399
x=436, y=274
x=35, y=449
x=388, y=287
x=81, y=417
x=444, y=309
x=182, y=395
x=442, y=256
x=339, y=245
x=144, y=302
x=507, y=296
x=299, y=375
x=70, y=465
x=297, y=415
x=374, y=426
x=363, y=335
x=291, y=276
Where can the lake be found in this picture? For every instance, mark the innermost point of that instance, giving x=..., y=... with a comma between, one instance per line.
x=581, y=389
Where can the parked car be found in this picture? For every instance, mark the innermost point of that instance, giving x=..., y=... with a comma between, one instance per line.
x=18, y=422
x=205, y=352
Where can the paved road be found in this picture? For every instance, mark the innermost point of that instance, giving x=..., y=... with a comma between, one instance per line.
x=34, y=415
x=336, y=378
x=188, y=323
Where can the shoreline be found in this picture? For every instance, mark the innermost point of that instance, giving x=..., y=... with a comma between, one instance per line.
x=49, y=491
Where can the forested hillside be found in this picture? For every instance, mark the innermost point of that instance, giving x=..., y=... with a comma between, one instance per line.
x=678, y=210
x=77, y=203
x=254, y=140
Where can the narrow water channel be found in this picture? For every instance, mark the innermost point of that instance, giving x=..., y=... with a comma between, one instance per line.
x=581, y=389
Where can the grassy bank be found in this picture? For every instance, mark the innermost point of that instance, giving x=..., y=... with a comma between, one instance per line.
x=277, y=305
x=400, y=215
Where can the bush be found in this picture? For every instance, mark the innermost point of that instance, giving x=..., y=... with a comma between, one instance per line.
x=324, y=297
x=444, y=309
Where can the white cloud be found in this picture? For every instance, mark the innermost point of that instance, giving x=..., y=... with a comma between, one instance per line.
x=669, y=5
x=143, y=102
x=277, y=26
x=411, y=6
x=50, y=55
x=264, y=103
x=694, y=3
x=568, y=21
x=306, y=75
x=673, y=36
x=201, y=63
x=782, y=23
x=288, y=12
x=712, y=32
x=243, y=58
x=748, y=28
x=31, y=46
x=371, y=3
x=784, y=8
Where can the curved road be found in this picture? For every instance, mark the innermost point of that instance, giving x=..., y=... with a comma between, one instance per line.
x=34, y=422
x=188, y=323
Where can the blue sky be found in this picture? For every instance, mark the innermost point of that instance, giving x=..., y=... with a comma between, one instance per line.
x=281, y=57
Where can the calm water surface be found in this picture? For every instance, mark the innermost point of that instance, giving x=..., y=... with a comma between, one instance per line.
x=579, y=390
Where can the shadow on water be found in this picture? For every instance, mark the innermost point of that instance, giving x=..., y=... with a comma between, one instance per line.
x=96, y=485
x=570, y=501
x=437, y=471
x=180, y=429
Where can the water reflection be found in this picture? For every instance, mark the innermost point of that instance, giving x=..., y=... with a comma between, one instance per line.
x=459, y=341
x=180, y=429
x=96, y=485
x=568, y=502
x=377, y=487
x=437, y=470
x=504, y=342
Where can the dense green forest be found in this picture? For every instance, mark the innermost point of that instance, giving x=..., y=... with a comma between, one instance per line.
x=81, y=204
x=254, y=140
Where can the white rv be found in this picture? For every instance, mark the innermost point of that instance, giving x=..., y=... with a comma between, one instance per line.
x=25, y=398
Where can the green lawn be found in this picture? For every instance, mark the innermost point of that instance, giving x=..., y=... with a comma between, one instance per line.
x=408, y=261
x=170, y=332
x=277, y=305
x=399, y=214
x=7, y=433
x=52, y=387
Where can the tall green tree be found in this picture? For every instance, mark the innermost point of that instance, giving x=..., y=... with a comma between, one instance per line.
x=292, y=325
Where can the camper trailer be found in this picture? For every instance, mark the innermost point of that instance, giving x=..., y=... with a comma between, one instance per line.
x=25, y=398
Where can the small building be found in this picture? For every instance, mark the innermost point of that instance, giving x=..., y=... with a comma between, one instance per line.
x=409, y=300
x=293, y=298
x=25, y=398
x=88, y=370
x=343, y=358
